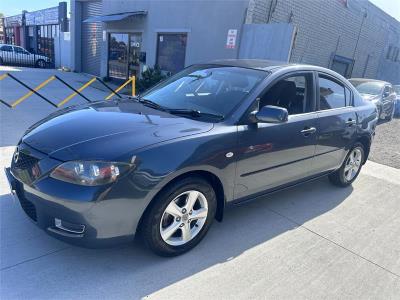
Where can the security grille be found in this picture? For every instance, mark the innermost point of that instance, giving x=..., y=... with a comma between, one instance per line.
x=91, y=39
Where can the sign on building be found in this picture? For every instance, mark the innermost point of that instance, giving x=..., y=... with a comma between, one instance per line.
x=231, y=39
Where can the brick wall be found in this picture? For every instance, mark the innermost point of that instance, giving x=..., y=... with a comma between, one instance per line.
x=329, y=27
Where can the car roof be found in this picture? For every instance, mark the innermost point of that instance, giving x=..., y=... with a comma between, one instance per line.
x=271, y=65
x=259, y=64
x=368, y=80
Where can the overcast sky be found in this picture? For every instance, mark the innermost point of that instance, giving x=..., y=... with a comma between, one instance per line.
x=14, y=7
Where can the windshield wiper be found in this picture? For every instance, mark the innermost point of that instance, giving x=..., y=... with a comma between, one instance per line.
x=194, y=113
x=178, y=111
x=151, y=104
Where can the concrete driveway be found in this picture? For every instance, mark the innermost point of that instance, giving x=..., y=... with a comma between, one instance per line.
x=310, y=242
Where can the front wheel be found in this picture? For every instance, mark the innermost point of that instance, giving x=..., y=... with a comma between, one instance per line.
x=180, y=217
x=350, y=168
x=41, y=64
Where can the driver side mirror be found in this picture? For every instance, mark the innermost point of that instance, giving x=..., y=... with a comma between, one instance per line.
x=270, y=114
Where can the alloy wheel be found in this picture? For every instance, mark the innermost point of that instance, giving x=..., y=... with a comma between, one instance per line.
x=353, y=164
x=184, y=218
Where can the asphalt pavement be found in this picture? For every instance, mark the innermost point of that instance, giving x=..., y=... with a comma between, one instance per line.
x=310, y=242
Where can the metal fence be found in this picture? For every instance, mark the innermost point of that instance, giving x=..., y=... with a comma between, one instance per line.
x=17, y=56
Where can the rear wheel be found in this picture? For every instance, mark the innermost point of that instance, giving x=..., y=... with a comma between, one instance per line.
x=180, y=217
x=350, y=168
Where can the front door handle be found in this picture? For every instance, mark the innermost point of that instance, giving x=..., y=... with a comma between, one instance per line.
x=308, y=131
x=350, y=122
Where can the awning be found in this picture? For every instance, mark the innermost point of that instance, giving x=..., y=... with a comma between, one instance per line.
x=115, y=17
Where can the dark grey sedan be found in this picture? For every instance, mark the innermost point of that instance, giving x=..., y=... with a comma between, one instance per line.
x=166, y=164
x=381, y=93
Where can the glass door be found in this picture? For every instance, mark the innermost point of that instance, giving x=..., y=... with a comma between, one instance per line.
x=118, y=56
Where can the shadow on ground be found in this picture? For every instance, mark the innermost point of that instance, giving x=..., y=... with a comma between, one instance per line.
x=132, y=271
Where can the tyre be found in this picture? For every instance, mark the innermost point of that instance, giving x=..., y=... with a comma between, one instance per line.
x=390, y=117
x=350, y=168
x=41, y=64
x=179, y=217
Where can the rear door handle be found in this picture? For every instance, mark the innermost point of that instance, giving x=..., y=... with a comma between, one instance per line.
x=351, y=122
x=308, y=131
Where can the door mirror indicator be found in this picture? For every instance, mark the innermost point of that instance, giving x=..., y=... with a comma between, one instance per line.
x=270, y=114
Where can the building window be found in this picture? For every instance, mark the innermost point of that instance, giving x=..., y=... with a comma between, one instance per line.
x=171, y=50
x=393, y=54
x=396, y=54
x=389, y=53
x=341, y=65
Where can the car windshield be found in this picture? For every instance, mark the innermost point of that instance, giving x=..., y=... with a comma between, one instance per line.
x=397, y=89
x=370, y=87
x=207, y=89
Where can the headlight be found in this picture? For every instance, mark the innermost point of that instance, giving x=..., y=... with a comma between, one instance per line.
x=89, y=173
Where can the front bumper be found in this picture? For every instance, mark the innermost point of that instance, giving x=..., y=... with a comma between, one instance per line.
x=107, y=222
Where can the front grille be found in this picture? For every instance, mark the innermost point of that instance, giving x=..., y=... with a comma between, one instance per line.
x=26, y=167
x=28, y=207
x=25, y=161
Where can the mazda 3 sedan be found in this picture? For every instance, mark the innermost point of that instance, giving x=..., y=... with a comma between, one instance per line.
x=166, y=164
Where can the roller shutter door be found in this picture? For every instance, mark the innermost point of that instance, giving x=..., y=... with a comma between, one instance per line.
x=91, y=39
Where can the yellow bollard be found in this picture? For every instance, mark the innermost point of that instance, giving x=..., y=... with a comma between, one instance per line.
x=30, y=93
x=79, y=90
x=133, y=86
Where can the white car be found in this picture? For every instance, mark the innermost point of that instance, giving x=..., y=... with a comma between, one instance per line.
x=16, y=55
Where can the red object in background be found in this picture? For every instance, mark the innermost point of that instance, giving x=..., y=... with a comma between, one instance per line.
x=17, y=35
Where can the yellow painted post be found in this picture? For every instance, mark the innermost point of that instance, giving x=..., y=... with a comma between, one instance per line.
x=30, y=93
x=133, y=86
x=79, y=90
x=120, y=88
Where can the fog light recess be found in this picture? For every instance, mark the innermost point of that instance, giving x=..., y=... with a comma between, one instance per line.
x=69, y=227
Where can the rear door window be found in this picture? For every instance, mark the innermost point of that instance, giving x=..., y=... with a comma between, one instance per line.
x=331, y=93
